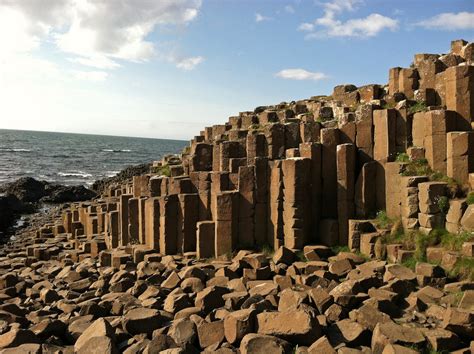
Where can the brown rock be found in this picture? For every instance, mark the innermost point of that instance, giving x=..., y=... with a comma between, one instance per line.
x=98, y=345
x=322, y=345
x=211, y=298
x=183, y=332
x=239, y=323
x=391, y=333
x=210, y=333
x=142, y=320
x=258, y=343
x=17, y=337
x=459, y=321
x=299, y=327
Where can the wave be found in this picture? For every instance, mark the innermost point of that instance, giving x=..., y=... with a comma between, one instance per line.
x=75, y=174
x=14, y=150
x=111, y=173
x=118, y=150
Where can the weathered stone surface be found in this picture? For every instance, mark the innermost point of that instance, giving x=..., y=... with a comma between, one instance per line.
x=300, y=327
x=258, y=343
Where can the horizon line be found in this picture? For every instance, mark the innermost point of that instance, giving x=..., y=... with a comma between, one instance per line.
x=96, y=134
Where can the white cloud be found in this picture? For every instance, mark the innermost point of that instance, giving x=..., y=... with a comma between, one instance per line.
x=189, y=63
x=98, y=32
x=96, y=76
x=450, y=21
x=290, y=9
x=300, y=74
x=261, y=18
x=329, y=26
x=308, y=27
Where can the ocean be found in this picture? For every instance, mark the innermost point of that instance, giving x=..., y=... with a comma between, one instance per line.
x=73, y=159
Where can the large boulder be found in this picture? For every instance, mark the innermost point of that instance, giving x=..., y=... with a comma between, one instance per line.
x=298, y=326
x=258, y=343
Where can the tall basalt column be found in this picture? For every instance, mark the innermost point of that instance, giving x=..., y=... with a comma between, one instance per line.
x=385, y=130
x=246, y=187
x=313, y=152
x=169, y=224
x=394, y=80
x=124, y=237
x=365, y=194
x=255, y=145
x=346, y=156
x=437, y=124
x=226, y=222
x=141, y=220
x=67, y=221
x=188, y=215
x=275, y=136
x=133, y=220
x=296, y=201
x=261, y=200
x=275, y=205
x=114, y=228
x=460, y=156
x=459, y=81
x=219, y=183
x=228, y=150
x=364, y=133
x=329, y=141
x=152, y=223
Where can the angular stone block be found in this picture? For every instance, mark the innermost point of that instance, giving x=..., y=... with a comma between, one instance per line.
x=460, y=156
x=205, y=237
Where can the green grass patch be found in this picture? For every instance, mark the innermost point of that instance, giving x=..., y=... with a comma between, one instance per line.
x=470, y=198
x=164, y=171
x=382, y=220
x=339, y=249
x=418, y=167
x=443, y=204
x=402, y=157
x=464, y=268
x=419, y=106
x=453, y=242
x=410, y=263
x=267, y=250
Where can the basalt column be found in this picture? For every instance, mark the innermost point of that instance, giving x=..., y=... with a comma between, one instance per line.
x=346, y=156
x=275, y=205
x=312, y=151
x=169, y=224
x=329, y=141
x=296, y=201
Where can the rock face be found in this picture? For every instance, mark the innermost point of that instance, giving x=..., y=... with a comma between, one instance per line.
x=29, y=190
x=167, y=261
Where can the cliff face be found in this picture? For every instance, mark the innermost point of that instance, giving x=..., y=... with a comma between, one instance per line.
x=295, y=173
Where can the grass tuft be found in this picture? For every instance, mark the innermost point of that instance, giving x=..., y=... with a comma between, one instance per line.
x=419, y=106
x=470, y=198
x=382, y=220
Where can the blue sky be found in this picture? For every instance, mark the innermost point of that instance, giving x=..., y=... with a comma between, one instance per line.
x=165, y=69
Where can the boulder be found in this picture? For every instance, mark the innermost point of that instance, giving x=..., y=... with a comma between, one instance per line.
x=258, y=343
x=298, y=327
x=142, y=320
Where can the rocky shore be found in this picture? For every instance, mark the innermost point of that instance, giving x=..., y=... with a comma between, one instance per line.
x=334, y=224
x=29, y=200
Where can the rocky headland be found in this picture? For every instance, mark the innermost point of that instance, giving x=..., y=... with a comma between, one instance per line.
x=334, y=224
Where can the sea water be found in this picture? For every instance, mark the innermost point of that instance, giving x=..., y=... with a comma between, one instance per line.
x=73, y=159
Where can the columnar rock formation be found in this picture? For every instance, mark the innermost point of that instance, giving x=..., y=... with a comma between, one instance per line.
x=166, y=262
x=295, y=173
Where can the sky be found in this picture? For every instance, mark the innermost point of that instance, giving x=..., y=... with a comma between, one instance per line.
x=167, y=68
